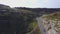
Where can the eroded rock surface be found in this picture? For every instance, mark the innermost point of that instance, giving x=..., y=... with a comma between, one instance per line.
x=51, y=23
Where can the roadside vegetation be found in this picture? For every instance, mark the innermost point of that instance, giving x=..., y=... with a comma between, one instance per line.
x=34, y=28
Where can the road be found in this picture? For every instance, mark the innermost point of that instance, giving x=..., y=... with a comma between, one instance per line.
x=41, y=26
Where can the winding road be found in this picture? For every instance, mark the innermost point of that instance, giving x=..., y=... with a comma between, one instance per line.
x=43, y=31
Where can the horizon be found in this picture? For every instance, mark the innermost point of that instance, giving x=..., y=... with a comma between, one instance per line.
x=32, y=3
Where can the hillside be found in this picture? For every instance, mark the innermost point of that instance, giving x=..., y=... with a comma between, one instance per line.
x=17, y=21
x=51, y=23
x=40, y=10
x=53, y=16
x=21, y=20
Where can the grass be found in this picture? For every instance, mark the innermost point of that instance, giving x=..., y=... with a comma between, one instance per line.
x=34, y=27
x=53, y=16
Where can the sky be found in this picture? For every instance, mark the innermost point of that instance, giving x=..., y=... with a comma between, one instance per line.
x=32, y=3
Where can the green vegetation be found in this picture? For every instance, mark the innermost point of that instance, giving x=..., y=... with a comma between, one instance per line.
x=18, y=20
x=34, y=28
x=53, y=16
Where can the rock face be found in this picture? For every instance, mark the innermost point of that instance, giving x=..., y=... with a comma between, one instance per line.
x=51, y=24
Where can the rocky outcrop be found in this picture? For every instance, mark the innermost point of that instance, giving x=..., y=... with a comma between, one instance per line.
x=51, y=24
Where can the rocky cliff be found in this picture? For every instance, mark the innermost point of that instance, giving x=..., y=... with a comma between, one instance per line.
x=51, y=23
